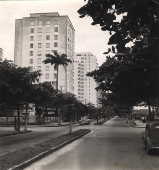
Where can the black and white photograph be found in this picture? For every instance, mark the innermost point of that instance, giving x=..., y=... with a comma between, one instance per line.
x=79, y=84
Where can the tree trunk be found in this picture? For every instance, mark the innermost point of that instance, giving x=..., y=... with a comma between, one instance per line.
x=57, y=84
x=18, y=119
x=70, y=127
x=150, y=114
x=70, y=124
x=26, y=118
x=66, y=76
x=57, y=78
x=15, y=123
x=59, y=116
x=97, y=119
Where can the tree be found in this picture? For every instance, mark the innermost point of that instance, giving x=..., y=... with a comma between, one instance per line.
x=56, y=59
x=44, y=97
x=68, y=104
x=15, y=87
x=130, y=76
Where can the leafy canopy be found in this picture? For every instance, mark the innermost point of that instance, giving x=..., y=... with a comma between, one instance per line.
x=131, y=75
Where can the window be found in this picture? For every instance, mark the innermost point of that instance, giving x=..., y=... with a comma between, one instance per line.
x=47, y=37
x=31, y=53
x=31, y=30
x=31, y=61
x=55, y=37
x=47, y=45
x=55, y=44
x=31, y=45
x=56, y=28
x=31, y=38
x=39, y=54
x=39, y=37
x=55, y=51
x=39, y=30
x=47, y=29
x=47, y=75
x=40, y=23
x=55, y=75
x=39, y=45
x=39, y=60
x=47, y=22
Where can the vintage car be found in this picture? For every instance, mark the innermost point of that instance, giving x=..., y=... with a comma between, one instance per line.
x=151, y=136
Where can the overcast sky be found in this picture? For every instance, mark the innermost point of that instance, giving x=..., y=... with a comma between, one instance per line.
x=88, y=37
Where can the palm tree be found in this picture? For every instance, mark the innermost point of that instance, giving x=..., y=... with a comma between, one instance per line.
x=56, y=59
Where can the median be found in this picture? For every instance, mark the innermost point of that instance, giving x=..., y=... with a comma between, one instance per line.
x=24, y=157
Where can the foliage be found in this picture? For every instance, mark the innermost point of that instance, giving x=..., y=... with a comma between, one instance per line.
x=56, y=59
x=16, y=84
x=131, y=75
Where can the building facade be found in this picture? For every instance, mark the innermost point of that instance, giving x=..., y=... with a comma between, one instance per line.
x=84, y=86
x=1, y=54
x=41, y=34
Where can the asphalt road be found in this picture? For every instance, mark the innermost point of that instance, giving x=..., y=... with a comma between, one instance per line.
x=112, y=146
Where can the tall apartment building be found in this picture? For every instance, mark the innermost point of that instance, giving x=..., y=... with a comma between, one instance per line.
x=40, y=34
x=84, y=86
x=1, y=54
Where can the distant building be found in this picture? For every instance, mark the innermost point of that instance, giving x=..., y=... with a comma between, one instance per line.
x=40, y=34
x=84, y=86
x=1, y=54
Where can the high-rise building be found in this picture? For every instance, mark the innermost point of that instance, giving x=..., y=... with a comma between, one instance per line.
x=40, y=34
x=84, y=86
x=1, y=54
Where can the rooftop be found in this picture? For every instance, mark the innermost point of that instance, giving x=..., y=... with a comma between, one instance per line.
x=50, y=14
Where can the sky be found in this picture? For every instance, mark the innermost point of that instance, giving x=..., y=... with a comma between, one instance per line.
x=87, y=37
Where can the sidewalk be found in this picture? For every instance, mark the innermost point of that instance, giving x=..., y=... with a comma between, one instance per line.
x=8, y=131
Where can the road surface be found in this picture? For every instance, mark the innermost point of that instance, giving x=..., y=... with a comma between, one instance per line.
x=112, y=146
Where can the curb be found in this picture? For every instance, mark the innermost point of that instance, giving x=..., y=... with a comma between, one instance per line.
x=47, y=152
x=16, y=133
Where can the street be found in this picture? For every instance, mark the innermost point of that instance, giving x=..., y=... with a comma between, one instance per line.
x=112, y=146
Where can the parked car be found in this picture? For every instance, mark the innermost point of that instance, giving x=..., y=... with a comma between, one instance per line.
x=85, y=122
x=151, y=136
